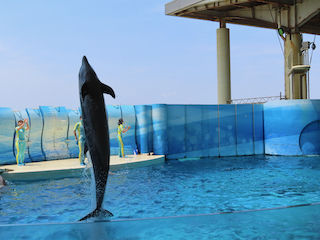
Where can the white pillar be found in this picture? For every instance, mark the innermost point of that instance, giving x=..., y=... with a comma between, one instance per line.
x=292, y=57
x=223, y=65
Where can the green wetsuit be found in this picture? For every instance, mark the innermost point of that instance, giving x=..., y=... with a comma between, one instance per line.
x=20, y=145
x=121, y=147
x=82, y=139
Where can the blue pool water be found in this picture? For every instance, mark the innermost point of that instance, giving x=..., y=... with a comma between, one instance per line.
x=172, y=189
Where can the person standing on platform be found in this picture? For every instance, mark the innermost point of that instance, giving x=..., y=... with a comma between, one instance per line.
x=81, y=140
x=21, y=141
x=120, y=131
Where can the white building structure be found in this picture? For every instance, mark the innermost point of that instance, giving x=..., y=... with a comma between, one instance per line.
x=290, y=17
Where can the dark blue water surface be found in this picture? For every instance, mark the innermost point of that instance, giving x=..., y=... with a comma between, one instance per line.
x=172, y=189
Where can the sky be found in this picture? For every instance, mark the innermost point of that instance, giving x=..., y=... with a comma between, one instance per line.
x=146, y=56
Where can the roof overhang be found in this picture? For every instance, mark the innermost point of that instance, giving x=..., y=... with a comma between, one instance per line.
x=291, y=15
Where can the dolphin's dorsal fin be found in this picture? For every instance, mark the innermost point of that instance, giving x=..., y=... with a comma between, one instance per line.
x=108, y=90
x=84, y=90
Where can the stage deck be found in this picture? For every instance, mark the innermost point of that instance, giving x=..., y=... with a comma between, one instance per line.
x=71, y=167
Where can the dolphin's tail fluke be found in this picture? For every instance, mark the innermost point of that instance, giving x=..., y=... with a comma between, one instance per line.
x=97, y=213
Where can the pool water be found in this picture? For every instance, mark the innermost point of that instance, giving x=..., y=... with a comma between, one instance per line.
x=175, y=188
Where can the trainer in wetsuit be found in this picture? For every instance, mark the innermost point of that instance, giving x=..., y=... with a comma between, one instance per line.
x=119, y=138
x=21, y=141
x=81, y=140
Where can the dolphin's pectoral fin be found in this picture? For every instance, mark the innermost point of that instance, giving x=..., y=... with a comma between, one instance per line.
x=96, y=213
x=108, y=90
x=84, y=90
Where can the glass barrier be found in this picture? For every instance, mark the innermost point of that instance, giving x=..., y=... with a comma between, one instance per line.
x=283, y=223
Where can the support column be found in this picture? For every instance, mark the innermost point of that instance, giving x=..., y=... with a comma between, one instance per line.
x=304, y=86
x=295, y=85
x=223, y=63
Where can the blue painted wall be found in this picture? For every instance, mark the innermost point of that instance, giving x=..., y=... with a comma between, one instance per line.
x=227, y=128
x=143, y=128
x=258, y=128
x=150, y=128
x=193, y=131
x=245, y=129
x=159, y=123
x=51, y=132
x=176, y=131
x=290, y=127
x=55, y=133
x=212, y=130
x=7, y=125
x=36, y=128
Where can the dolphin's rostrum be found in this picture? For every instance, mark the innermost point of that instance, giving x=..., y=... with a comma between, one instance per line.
x=94, y=118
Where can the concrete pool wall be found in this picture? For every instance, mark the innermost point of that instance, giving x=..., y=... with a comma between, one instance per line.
x=287, y=127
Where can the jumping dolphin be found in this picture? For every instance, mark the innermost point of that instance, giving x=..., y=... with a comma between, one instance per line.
x=94, y=119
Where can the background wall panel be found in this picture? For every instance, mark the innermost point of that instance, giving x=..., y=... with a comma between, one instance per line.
x=244, y=118
x=35, y=137
x=142, y=128
x=150, y=128
x=258, y=129
x=54, y=133
x=176, y=130
x=210, y=130
x=7, y=125
x=61, y=133
x=227, y=127
x=159, y=124
x=310, y=139
x=285, y=123
x=193, y=131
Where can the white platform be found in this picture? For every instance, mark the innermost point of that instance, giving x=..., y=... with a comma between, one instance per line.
x=71, y=167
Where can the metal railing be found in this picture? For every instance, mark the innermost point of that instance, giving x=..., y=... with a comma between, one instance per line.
x=255, y=100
